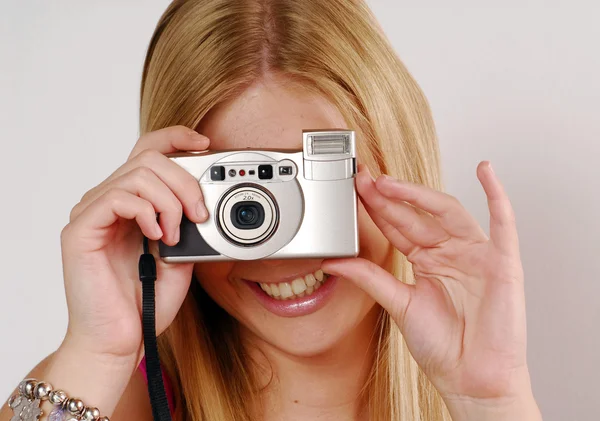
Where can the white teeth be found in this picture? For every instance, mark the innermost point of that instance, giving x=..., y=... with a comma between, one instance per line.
x=286, y=290
x=298, y=286
x=266, y=288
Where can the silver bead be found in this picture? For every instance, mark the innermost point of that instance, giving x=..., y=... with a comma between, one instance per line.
x=75, y=406
x=28, y=388
x=42, y=390
x=103, y=419
x=22, y=387
x=23, y=383
x=91, y=414
x=57, y=397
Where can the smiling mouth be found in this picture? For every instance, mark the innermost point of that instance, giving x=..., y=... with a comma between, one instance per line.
x=298, y=288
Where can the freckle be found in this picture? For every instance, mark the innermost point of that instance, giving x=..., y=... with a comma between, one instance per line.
x=295, y=401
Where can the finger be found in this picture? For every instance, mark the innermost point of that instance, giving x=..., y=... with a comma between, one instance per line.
x=394, y=236
x=185, y=187
x=143, y=182
x=503, y=229
x=452, y=215
x=392, y=294
x=419, y=229
x=107, y=210
x=169, y=140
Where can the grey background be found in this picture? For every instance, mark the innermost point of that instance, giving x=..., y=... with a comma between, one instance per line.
x=514, y=84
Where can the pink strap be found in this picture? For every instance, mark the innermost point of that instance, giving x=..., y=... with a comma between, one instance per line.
x=167, y=382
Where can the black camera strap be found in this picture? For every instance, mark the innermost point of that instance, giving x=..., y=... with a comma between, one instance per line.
x=156, y=386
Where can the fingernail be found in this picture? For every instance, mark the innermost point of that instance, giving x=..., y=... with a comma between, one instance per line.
x=197, y=137
x=177, y=234
x=491, y=169
x=201, y=210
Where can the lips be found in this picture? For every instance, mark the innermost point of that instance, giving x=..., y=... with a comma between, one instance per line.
x=296, y=298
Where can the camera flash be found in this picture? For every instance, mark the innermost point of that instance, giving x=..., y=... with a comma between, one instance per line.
x=329, y=143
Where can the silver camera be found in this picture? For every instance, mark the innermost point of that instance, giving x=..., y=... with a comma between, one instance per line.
x=273, y=204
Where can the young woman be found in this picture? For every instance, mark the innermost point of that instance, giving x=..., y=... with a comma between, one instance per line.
x=428, y=323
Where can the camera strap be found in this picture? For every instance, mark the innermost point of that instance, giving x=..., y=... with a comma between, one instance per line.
x=156, y=387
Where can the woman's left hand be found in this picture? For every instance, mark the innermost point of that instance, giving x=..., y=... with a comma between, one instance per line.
x=464, y=319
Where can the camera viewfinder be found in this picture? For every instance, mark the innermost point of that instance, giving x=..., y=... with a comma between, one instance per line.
x=285, y=170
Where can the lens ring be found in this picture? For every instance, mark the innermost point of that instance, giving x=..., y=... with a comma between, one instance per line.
x=256, y=195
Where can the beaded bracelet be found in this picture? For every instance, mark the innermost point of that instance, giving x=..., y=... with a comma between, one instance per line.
x=26, y=404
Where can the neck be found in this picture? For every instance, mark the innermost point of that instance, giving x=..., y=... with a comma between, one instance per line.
x=324, y=386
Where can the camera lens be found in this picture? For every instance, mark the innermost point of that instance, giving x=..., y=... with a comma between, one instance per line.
x=217, y=173
x=265, y=172
x=247, y=215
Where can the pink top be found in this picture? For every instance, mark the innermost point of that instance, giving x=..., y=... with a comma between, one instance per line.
x=167, y=382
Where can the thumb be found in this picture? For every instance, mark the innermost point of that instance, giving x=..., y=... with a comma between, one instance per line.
x=173, y=281
x=391, y=293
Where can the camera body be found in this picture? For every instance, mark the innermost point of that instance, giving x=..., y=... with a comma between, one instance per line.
x=273, y=204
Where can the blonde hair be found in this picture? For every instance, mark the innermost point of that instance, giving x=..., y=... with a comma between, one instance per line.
x=204, y=52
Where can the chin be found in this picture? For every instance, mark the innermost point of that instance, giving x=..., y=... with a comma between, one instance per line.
x=319, y=333
x=302, y=325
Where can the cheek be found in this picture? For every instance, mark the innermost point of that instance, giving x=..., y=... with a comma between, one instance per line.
x=213, y=278
x=374, y=246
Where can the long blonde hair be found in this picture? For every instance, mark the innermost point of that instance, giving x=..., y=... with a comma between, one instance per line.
x=204, y=52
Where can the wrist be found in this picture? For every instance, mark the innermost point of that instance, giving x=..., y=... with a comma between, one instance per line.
x=98, y=380
x=521, y=407
x=519, y=404
x=82, y=349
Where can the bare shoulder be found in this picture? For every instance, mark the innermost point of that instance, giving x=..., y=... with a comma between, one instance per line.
x=134, y=404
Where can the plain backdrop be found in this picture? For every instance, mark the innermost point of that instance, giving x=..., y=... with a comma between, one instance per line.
x=516, y=84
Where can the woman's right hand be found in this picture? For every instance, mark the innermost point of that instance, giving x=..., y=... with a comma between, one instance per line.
x=102, y=243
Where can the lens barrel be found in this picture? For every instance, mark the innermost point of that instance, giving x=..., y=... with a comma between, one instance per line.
x=247, y=215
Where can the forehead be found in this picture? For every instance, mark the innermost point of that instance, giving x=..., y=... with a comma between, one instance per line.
x=269, y=114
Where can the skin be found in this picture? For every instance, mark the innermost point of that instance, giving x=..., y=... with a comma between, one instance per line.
x=464, y=320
